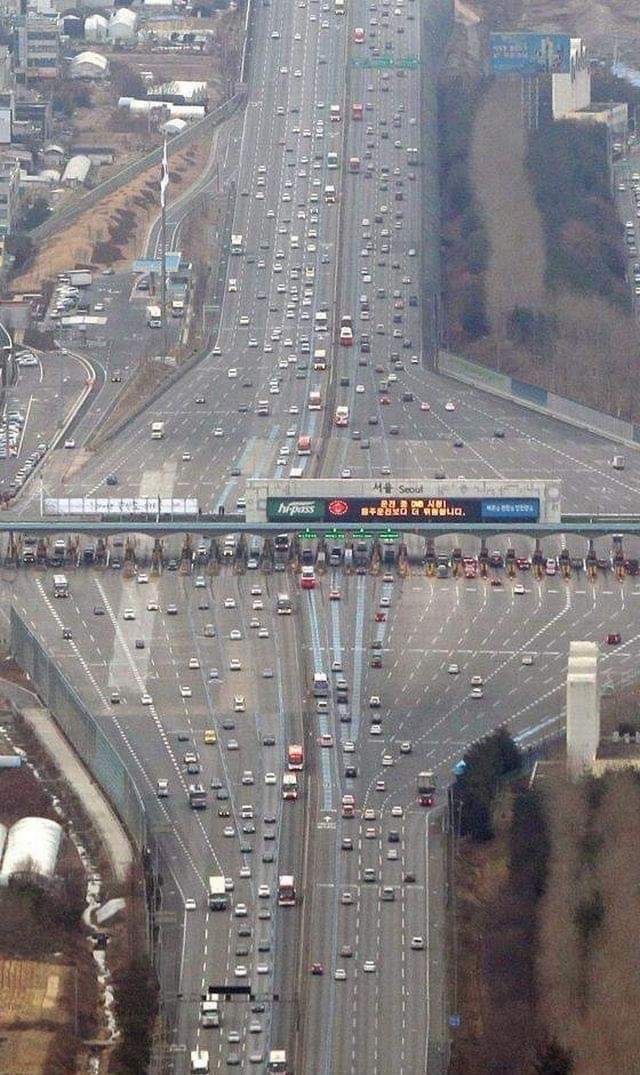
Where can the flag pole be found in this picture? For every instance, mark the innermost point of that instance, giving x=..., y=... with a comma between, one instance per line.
x=164, y=183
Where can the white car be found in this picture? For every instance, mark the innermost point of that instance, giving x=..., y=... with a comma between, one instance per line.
x=235, y=635
x=449, y=405
x=194, y=663
x=348, y=746
x=257, y=606
x=240, y=971
x=239, y=704
x=234, y=665
x=270, y=778
x=453, y=669
x=477, y=692
x=387, y=759
x=128, y=614
x=263, y=632
x=340, y=974
x=263, y=892
x=360, y=389
x=190, y=904
x=240, y=910
x=397, y=811
x=417, y=943
x=228, y=831
x=369, y=966
x=519, y=588
x=146, y=699
x=374, y=701
x=142, y=579
x=231, y=373
x=185, y=692
x=229, y=602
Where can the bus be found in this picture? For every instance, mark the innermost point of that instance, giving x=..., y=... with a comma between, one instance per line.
x=341, y=417
x=304, y=445
x=315, y=400
x=295, y=758
x=60, y=586
x=283, y=606
x=426, y=787
x=286, y=891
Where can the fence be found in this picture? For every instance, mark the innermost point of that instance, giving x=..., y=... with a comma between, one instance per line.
x=76, y=721
x=529, y=395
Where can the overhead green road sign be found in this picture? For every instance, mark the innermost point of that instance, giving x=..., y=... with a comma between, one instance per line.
x=385, y=62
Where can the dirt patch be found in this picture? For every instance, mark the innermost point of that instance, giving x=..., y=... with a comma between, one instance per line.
x=515, y=270
x=114, y=231
x=133, y=398
x=34, y=1002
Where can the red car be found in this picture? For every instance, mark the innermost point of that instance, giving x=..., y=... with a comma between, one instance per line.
x=317, y=968
x=614, y=638
x=380, y=617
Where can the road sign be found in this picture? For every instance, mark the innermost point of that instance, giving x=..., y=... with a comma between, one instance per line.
x=386, y=62
x=454, y=1020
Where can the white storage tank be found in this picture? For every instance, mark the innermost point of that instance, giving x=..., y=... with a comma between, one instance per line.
x=32, y=847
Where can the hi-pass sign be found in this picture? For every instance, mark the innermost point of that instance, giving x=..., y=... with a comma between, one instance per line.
x=419, y=509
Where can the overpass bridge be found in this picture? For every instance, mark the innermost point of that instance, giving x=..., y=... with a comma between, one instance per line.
x=588, y=526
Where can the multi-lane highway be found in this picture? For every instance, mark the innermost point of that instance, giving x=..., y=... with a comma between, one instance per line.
x=351, y=979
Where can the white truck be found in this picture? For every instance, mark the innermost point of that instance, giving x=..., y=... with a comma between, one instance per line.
x=157, y=430
x=199, y=1062
x=210, y=1014
x=177, y=308
x=218, y=897
x=154, y=317
x=237, y=246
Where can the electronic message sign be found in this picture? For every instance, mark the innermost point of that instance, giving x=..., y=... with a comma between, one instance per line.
x=419, y=509
x=530, y=53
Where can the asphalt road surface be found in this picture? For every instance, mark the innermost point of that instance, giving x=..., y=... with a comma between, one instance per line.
x=302, y=255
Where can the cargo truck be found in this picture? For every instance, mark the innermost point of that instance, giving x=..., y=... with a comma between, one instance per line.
x=289, y=786
x=426, y=788
x=295, y=758
x=197, y=797
x=199, y=1062
x=210, y=1014
x=154, y=317
x=237, y=245
x=218, y=898
x=177, y=308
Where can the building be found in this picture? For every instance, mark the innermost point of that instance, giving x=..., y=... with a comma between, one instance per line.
x=571, y=92
x=90, y=65
x=123, y=25
x=5, y=69
x=96, y=28
x=180, y=92
x=38, y=48
x=76, y=171
x=9, y=194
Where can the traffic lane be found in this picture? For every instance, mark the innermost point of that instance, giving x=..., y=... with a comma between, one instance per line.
x=43, y=395
x=492, y=646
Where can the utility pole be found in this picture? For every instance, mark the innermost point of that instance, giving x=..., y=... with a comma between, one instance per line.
x=164, y=183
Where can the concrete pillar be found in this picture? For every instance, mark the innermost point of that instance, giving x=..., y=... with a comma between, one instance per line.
x=583, y=706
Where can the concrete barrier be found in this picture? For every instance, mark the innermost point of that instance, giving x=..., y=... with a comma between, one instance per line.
x=538, y=399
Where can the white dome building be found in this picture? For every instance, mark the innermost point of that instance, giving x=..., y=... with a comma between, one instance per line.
x=32, y=847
